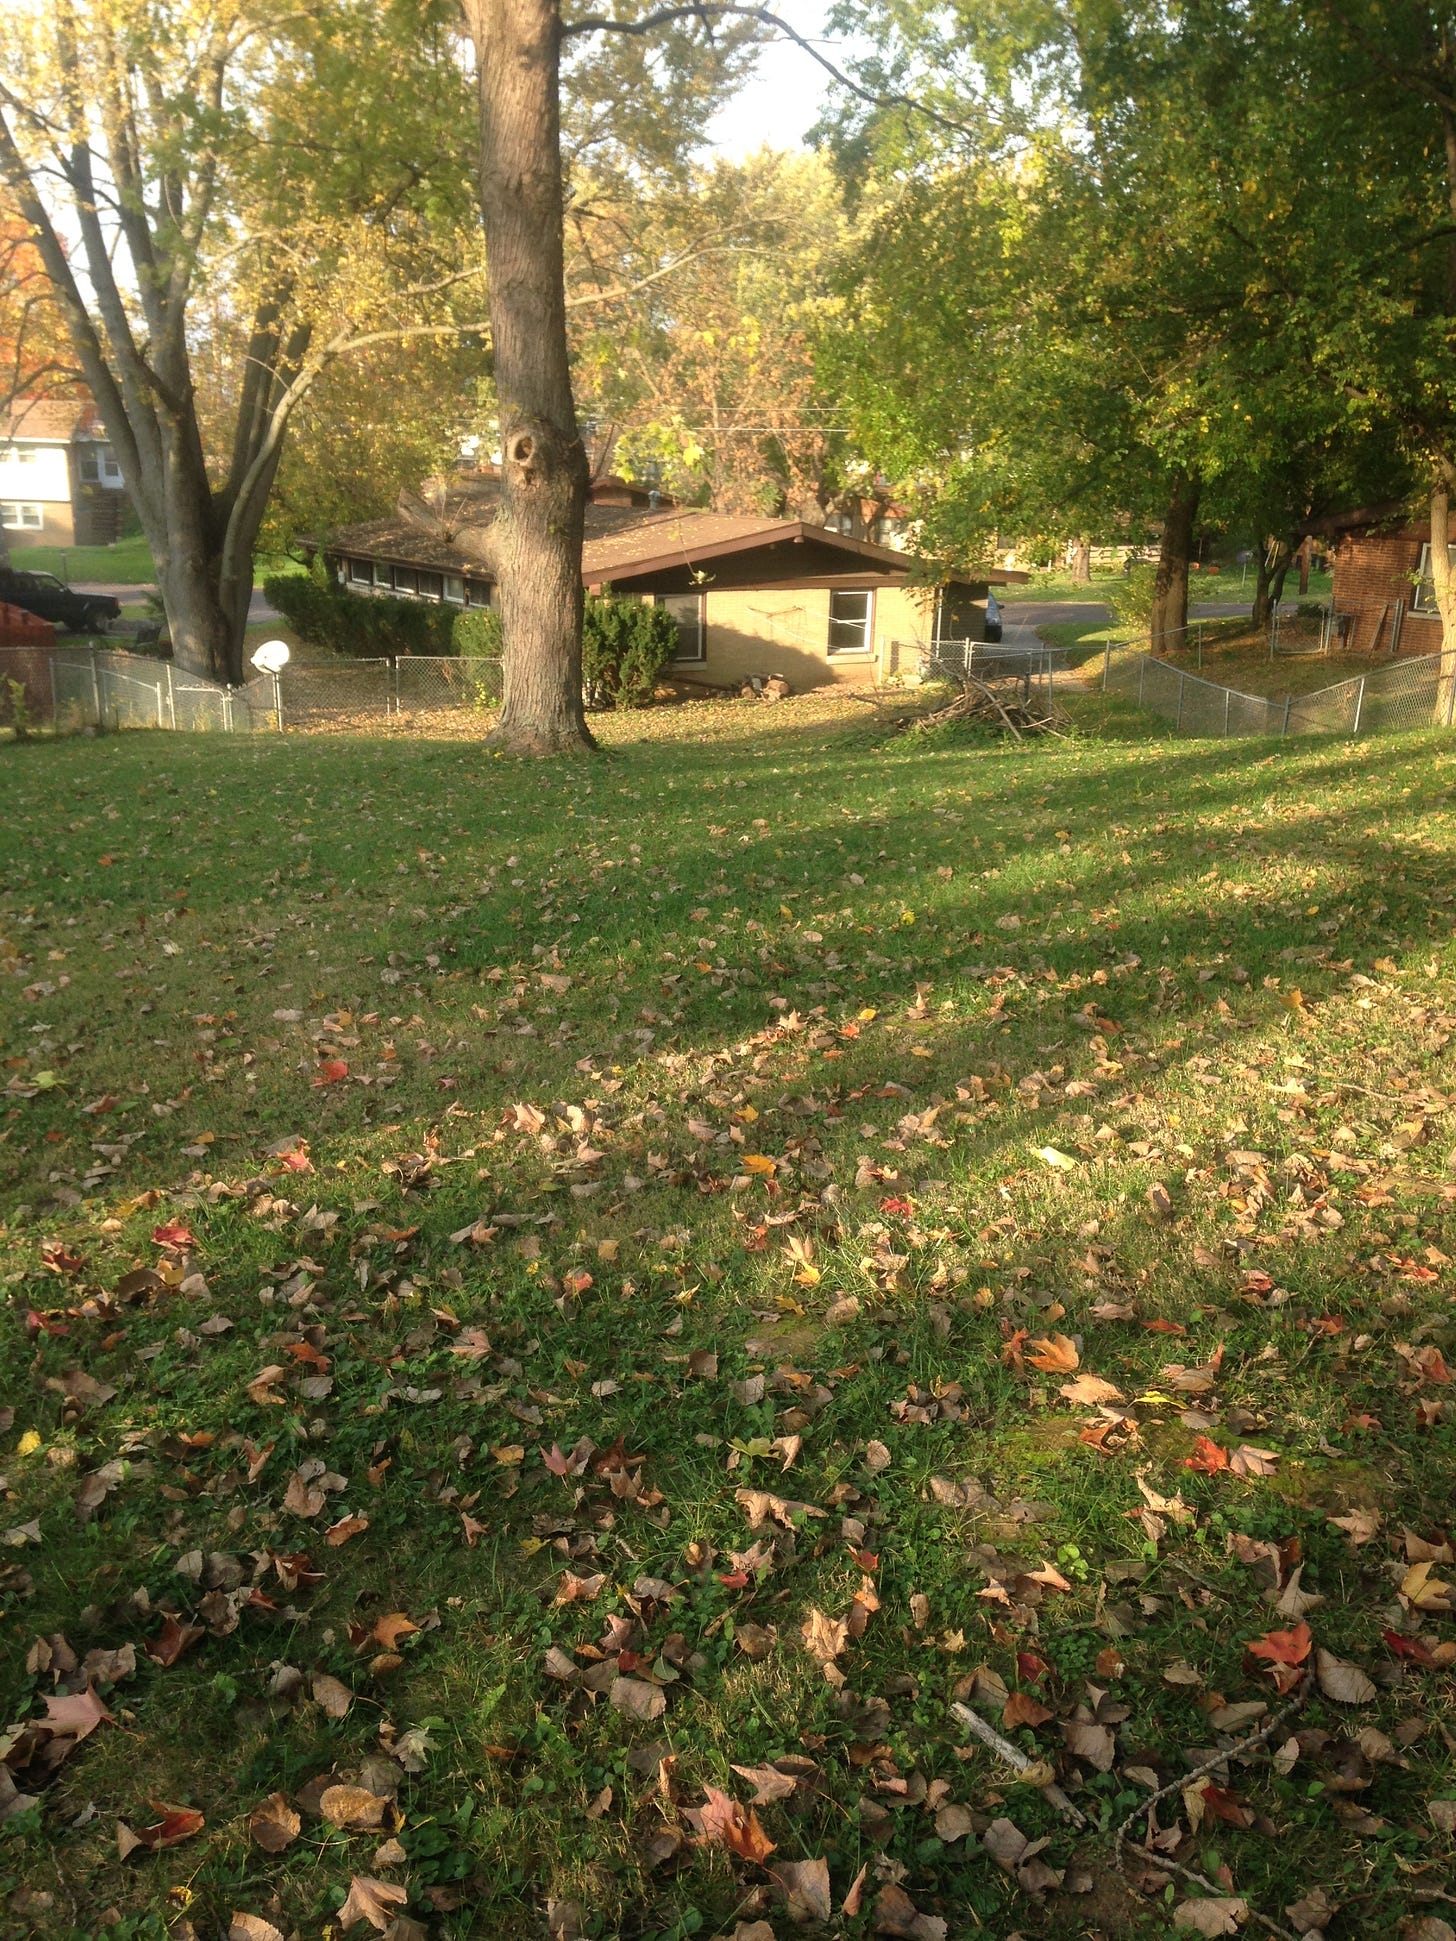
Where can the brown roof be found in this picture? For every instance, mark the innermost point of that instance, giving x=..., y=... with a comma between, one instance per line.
x=626, y=544
x=52, y=421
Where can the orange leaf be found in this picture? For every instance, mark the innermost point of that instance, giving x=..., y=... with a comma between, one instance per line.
x=1207, y=1456
x=171, y=1642
x=331, y=1071
x=1283, y=1647
x=1023, y=1710
x=1055, y=1354
x=726, y=1823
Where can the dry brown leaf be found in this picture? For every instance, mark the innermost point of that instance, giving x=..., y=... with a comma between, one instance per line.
x=1022, y=1709
x=1358, y=1525
x=824, y=1637
x=371, y=1900
x=330, y=1693
x=771, y=1783
x=877, y=1457
x=953, y=1823
x=1089, y=1741
x=805, y=1885
x=252, y=1927
x=1249, y=1461
x=1089, y=1391
x=637, y=1698
x=274, y=1824
x=351, y=1808
x=1212, y=1916
x=1343, y=1683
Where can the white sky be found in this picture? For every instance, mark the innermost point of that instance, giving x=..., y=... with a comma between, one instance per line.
x=782, y=102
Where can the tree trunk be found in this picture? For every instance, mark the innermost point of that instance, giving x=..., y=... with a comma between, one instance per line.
x=535, y=541
x=1304, y=556
x=1082, y=562
x=1169, y=626
x=1261, y=608
x=1443, y=587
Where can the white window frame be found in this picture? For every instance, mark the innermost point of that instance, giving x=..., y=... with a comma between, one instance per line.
x=22, y=515
x=1423, y=600
x=680, y=659
x=866, y=650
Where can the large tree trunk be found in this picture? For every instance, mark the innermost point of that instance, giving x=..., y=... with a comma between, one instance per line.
x=1082, y=562
x=1169, y=627
x=535, y=542
x=1261, y=608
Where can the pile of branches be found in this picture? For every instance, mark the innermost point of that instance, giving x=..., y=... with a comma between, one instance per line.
x=1011, y=713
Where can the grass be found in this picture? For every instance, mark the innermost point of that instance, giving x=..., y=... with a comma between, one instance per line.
x=1232, y=655
x=127, y=563
x=753, y=1102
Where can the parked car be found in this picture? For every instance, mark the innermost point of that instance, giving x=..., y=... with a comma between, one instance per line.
x=993, y=618
x=51, y=599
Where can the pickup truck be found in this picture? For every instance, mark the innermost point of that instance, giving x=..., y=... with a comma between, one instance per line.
x=53, y=600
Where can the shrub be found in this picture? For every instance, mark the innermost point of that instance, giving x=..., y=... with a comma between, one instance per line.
x=1132, y=601
x=327, y=617
x=477, y=631
x=625, y=644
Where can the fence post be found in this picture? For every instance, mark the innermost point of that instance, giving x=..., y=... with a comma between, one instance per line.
x=171, y=696
x=1178, y=718
x=1106, y=663
x=1284, y=724
x=1450, y=681
x=278, y=701
x=1142, y=676
x=1198, y=642
x=95, y=688
x=1359, y=705
x=227, y=710
x=1228, y=695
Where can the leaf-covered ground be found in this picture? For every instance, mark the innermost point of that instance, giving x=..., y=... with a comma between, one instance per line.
x=558, y=1321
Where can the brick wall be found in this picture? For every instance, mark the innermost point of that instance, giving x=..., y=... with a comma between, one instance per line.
x=1371, y=572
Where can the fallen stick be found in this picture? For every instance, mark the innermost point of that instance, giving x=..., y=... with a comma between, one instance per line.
x=1015, y=1757
x=1265, y=1732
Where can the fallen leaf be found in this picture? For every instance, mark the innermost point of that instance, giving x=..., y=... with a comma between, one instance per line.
x=1211, y=1916
x=1358, y=1525
x=252, y=1927
x=331, y=1694
x=1021, y=1709
x=724, y=1822
x=1089, y=1391
x=824, y=1637
x=330, y=1071
x=896, y=1913
x=173, y=1639
x=371, y=1900
x=1207, y=1456
x=274, y=1824
x=771, y=1783
x=1054, y=1354
x=75, y=1715
x=637, y=1698
x=346, y=1527
x=1249, y=1461
x=351, y=1807
x=1344, y=1683
x=805, y=1885
x=178, y=1823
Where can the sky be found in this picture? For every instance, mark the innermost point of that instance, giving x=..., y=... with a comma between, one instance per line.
x=782, y=102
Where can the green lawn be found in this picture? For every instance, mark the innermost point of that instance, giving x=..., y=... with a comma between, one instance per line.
x=127, y=563
x=531, y=1288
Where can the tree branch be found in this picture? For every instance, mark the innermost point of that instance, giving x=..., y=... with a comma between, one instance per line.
x=705, y=10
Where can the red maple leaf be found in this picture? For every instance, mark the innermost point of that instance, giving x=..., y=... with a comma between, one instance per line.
x=1207, y=1456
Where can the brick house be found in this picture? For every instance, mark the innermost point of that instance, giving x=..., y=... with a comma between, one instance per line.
x=1381, y=579
x=751, y=595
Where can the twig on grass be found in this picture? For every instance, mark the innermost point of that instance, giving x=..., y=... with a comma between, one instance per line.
x=1265, y=1732
x=1015, y=1757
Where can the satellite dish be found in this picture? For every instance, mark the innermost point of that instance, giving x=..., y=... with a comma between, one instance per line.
x=272, y=657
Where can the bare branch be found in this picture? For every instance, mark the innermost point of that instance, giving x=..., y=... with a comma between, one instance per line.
x=707, y=10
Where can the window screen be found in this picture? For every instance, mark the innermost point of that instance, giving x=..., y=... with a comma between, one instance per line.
x=849, y=623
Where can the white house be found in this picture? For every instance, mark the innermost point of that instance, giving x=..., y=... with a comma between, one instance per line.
x=60, y=484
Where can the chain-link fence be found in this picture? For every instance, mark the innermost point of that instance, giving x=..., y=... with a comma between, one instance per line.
x=1031, y=668
x=1403, y=694
x=70, y=688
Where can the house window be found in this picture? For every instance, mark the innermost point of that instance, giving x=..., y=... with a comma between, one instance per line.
x=455, y=589
x=432, y=586
x=361, y=572
x=851, y=616
x=406, y=580
x=477, y=593
x=692, y=635
x=383, y=575
x=1424, y=600
x=19, y=455
x=21, y=518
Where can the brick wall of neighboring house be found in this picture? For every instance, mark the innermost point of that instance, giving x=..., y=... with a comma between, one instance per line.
x=1372, y=571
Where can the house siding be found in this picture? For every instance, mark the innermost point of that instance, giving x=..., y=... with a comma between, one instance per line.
x=786, y=631
x=1371, y=572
